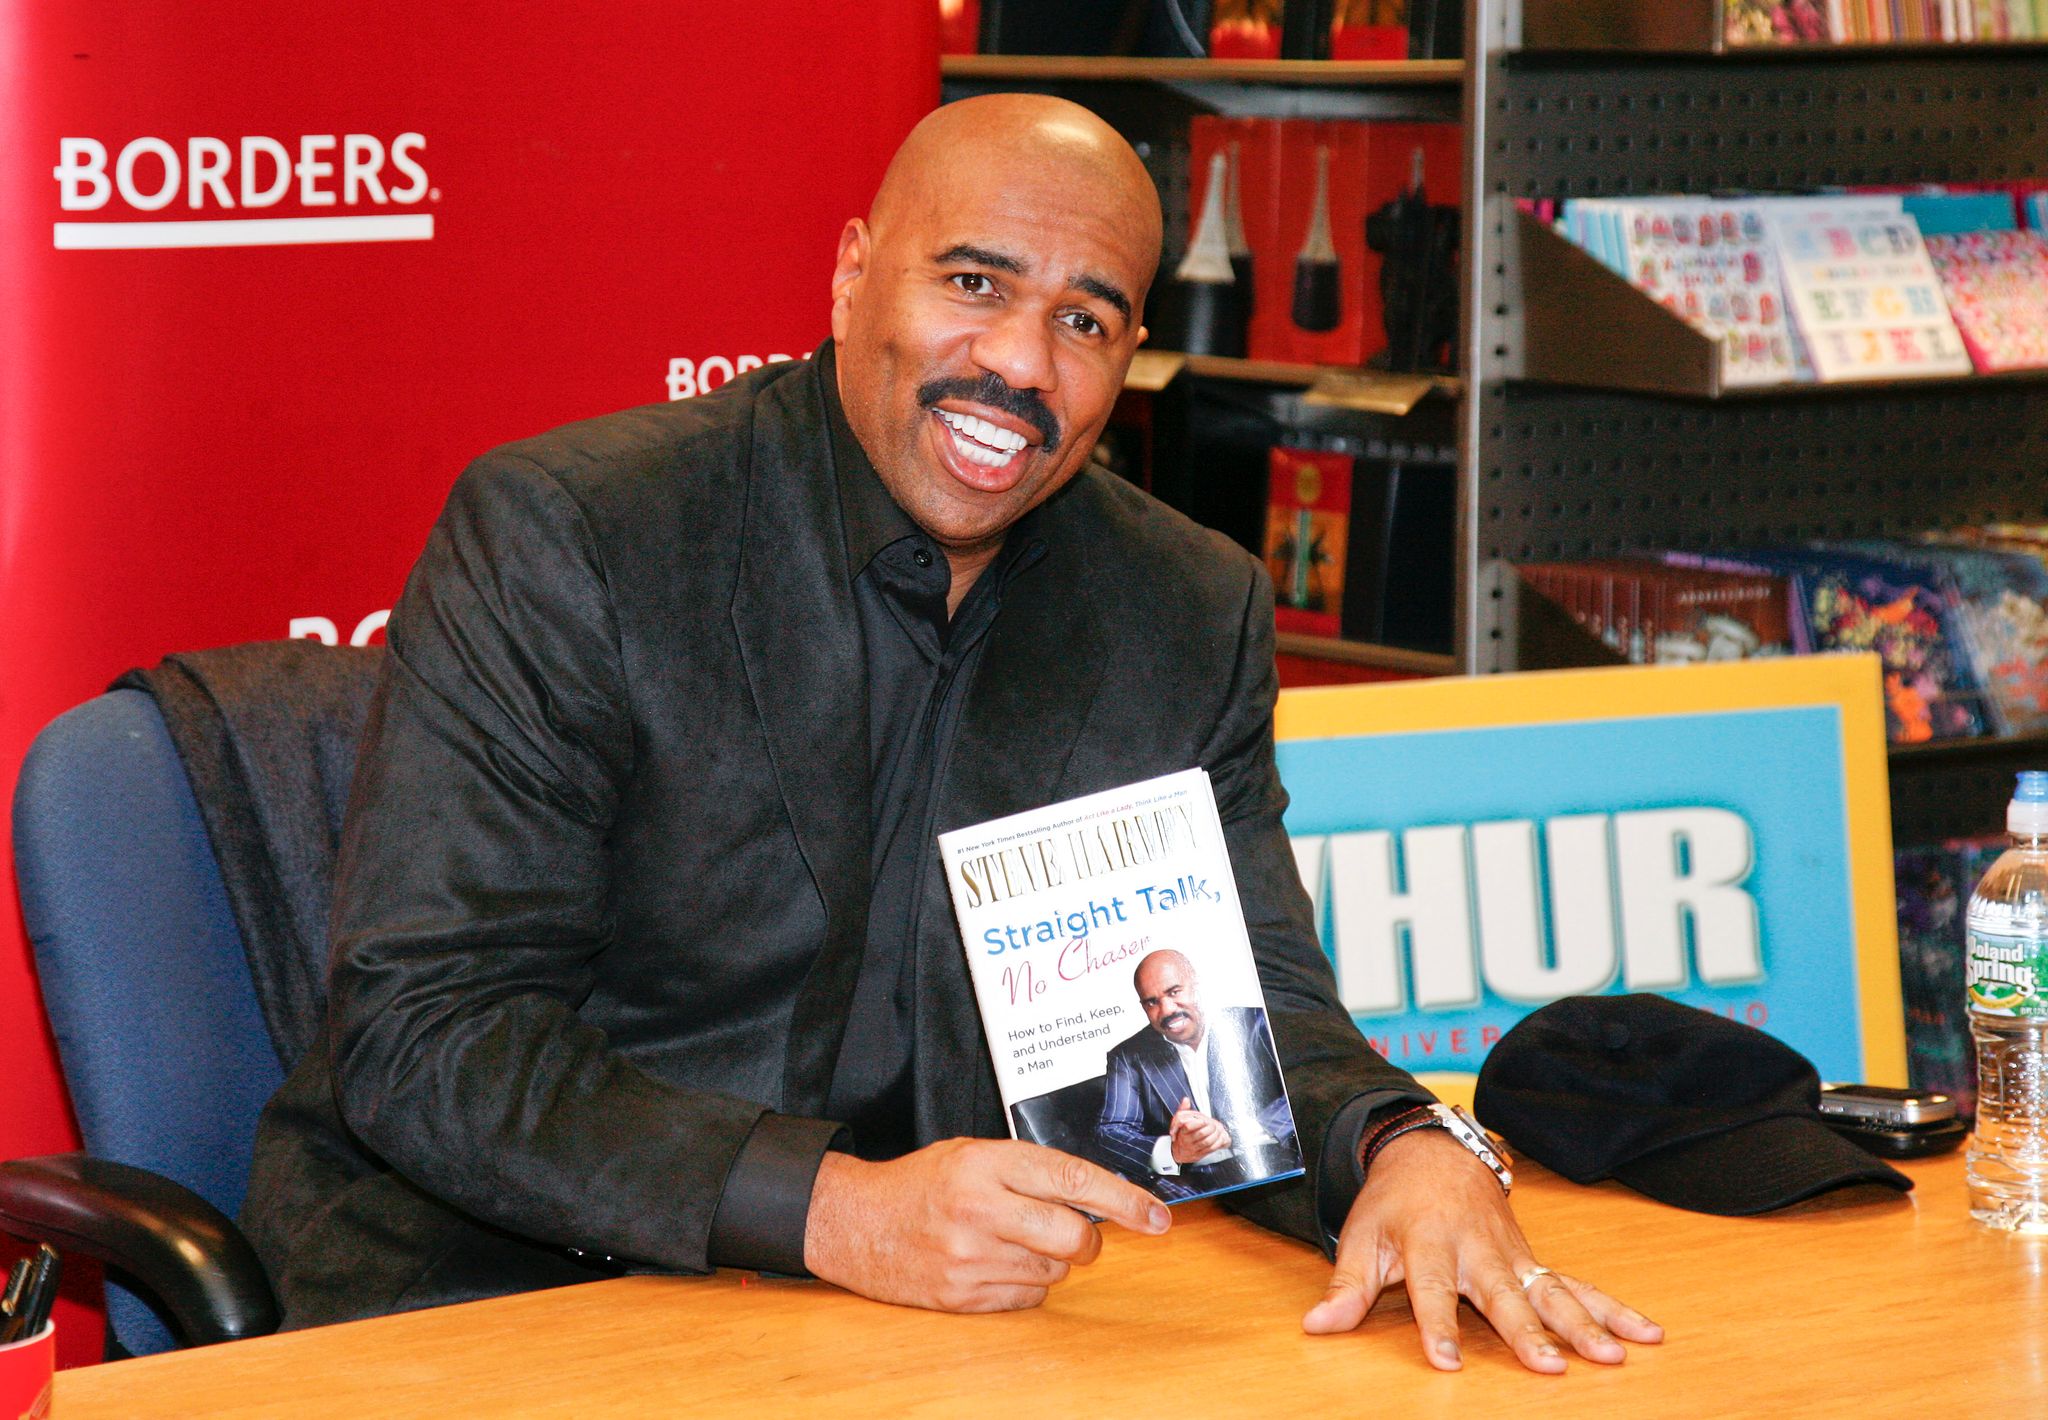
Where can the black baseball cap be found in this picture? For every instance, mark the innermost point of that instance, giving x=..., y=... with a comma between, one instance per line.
x=1688, y=1107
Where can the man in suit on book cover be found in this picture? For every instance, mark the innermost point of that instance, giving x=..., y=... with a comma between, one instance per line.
x=1194, y=1103
x=642, y=958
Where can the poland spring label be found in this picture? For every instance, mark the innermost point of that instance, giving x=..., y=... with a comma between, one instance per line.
x=2007, y=965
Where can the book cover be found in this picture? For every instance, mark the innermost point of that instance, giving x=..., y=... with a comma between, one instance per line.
x=1308, y=522
x=1714, y=264
x=1909, y=615
x=1864, y=294
x=1117, y=989
x=2005, y=614
x=1934, y=885
x=1767, y=22
x=1996, y=283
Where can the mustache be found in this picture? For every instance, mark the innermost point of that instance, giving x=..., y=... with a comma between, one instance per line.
x=992, y=391
x=1174, y=1019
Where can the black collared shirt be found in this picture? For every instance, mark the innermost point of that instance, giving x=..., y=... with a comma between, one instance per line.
x=920, y=664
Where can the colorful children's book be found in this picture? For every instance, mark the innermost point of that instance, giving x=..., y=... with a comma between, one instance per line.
x=1863, y=291
x=1909, y=615
x=1996, y=283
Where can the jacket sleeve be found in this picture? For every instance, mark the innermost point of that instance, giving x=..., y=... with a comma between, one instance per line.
x=1326, y=1061
x=1120, y=1132
x=472, y=899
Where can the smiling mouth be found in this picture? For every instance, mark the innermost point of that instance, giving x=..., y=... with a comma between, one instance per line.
x=979, y=441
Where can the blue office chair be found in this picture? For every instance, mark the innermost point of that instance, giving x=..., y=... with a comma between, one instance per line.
x=164, y=1044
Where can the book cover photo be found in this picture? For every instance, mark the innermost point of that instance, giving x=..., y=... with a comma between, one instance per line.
x=1117, y=989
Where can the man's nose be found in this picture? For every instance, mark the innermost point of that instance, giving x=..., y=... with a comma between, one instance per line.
x=1017, y=347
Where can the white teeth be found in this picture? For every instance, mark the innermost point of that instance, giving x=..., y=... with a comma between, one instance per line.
x=1005, y=441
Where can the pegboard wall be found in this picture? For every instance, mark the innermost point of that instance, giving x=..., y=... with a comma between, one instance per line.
x=1570, y=474
x=1559, y=473
x=1638, y=127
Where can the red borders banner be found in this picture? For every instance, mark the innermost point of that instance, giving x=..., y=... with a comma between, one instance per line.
x=271, y=273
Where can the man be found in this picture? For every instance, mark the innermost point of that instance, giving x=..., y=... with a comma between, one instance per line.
x=1193, y=1103
x=640, y=952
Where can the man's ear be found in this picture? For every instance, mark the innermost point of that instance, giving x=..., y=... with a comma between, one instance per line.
x=855, y=242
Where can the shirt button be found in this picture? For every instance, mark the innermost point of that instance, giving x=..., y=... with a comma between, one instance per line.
x=922, y=557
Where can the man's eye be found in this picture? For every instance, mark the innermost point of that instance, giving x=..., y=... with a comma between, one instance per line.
x=1084, y=323
x=974, y=283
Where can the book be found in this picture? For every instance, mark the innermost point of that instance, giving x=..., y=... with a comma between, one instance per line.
x=1713, y=263
x=1118, y=994
x=1650, y=613
x=2004, y=597
x=1766, y=22
x=1996, y=283
x=1907, y=613
x=1308, y=519
x=1863, y=291
x=1934, y=884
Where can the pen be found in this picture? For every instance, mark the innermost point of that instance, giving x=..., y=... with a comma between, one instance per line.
x=38, y=1295
x=17, y=1278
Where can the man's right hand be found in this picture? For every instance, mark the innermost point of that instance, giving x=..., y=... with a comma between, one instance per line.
x=965, y=1225
x=1196, y=1135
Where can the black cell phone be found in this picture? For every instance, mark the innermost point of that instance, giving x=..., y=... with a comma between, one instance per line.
x=1896, y=1141
x=1884, y=1106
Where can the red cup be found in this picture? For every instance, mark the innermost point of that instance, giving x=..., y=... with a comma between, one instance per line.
x=25, y=1371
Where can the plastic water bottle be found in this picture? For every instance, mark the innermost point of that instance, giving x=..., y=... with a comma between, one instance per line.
x=2006, y=966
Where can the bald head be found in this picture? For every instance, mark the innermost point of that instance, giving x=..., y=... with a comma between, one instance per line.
x=1027, y=135
x=985, y=311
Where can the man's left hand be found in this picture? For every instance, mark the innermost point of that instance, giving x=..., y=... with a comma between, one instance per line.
x=1432, y=1215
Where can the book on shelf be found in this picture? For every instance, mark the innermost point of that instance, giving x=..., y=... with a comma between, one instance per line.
x=1864, y=293
x=1934, y=884
x=1996, y=283
x=1710, y=262
x=1879, y=283
x=1307, y=544
x=1118, y=995
x=1907, y=612
x=2004, y=591
x=1753, y=23
x=1649, y=613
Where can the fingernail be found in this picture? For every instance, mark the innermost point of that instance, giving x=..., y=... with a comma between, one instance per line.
x=1448, y=1349
x=1546, y=1349
x=1158, y=1218
x=1605, y=1339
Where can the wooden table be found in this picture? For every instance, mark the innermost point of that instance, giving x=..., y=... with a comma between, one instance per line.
x=1865, y=1304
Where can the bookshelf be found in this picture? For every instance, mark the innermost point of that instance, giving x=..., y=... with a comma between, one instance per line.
x=1671, y=27
x=1573, y=448
x=1311, y=73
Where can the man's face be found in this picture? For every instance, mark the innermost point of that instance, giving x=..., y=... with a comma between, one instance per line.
x=984, y=329
x=1166, y=989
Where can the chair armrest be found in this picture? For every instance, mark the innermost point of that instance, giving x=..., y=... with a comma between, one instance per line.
x=186, y=1252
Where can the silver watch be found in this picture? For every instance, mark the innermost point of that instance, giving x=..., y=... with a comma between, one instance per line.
x=1467, y=1131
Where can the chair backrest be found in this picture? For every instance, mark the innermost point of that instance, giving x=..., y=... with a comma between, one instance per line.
x=143, y=973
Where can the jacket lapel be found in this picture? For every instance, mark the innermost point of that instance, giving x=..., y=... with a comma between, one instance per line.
x=800, y=640
x=1031, y=695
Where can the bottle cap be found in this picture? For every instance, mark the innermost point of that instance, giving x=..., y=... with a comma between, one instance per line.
x=2027, y=814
